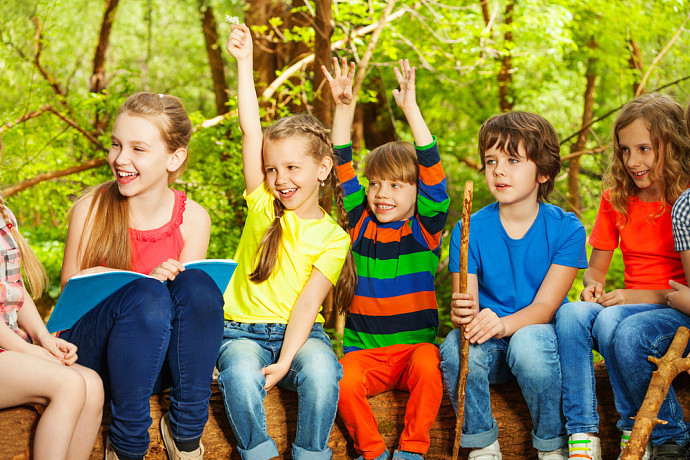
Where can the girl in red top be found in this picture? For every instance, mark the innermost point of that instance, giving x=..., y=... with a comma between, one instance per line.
x=149, y=335
x=648, y=171
x=44, y=372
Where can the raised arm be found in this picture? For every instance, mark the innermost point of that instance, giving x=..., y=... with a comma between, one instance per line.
x=240, y=47
x=406, y=99
x=341, y=88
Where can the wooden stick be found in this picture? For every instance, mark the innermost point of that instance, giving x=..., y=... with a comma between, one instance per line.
x=670, y=365
x=464, y=343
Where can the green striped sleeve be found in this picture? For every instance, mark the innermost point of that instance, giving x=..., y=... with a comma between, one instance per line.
x=404, y=265
x=354, y=199
x=427, y=207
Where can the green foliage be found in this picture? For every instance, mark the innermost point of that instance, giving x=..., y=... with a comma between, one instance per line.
x=159, y=46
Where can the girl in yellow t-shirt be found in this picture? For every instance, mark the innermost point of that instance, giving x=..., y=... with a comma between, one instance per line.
x=290, y=255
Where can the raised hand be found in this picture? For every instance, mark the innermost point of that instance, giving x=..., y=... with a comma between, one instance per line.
x=405, y=97
x=341, y=81
x=239, y=43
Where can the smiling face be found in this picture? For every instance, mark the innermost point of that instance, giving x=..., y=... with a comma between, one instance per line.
x=294, y=176
x=640, y=159
x=512, y=179
x=391, y=200
x=139, y=157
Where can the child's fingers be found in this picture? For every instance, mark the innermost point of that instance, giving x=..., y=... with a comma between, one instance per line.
x=351, y=71
x=327, y=74
x=675, y=285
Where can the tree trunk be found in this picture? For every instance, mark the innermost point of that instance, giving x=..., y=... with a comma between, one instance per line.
x=579, y=145
x=215, y=59
x=504, y=76
x=635, y=62
x=322, y=56
x=98, y=76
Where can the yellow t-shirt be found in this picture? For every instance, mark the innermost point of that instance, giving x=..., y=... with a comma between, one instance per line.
x=306, y=243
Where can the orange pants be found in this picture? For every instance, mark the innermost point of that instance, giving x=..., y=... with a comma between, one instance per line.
x=413, y=368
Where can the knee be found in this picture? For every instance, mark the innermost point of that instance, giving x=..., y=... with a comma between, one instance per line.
x=352, y=383
x=149, y=302
x=70, y=389
x=450, y=348
x=424, y=364
x=94, y=389
x=320, y=373
x=533, y=352
x=572, y=317
x=196, y=289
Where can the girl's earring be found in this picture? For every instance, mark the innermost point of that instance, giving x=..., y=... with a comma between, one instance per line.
x=323, y=183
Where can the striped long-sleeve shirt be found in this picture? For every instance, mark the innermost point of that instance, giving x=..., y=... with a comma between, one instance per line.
x=395, y=301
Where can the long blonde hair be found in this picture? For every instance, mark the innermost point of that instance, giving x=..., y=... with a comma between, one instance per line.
x=109, y=240
x=319, y=146
x=668, y=131
x=35, y=276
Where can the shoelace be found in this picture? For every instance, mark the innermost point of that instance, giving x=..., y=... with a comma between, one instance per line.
x=576, y=446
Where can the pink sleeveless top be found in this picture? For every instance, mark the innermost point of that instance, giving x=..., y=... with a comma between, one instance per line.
x=151, y=247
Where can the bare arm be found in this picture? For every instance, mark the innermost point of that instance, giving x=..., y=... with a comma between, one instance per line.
x=679, y=297
x=341, y=88
x=406, y=99
x=299, y=325
x=554, y=288
x=594, y=277
x=240, y=47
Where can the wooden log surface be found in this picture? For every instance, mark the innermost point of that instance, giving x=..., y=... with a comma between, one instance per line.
x=17, y=424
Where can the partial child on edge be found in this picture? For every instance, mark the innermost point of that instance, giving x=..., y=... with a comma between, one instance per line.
x=149, y=335
x=524, y=255
x=396, y=227
x=289, y=257
x=647, y=173
x=37, y=368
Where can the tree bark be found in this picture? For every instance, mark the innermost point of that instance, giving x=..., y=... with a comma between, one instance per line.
x=215, y=59
x=322, y=56
x=579, y=145
x=504, y=75
x=635, y=62
x=98, y=76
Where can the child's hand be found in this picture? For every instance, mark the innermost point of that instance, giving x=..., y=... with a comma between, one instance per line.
x=167, y=270
x=619, y=297
x=40, y=352
x=274, y=373
x=63, y=350
x=592, y=292
x=679, y=298
x=340, y=82
x=462, y=308
x=240, y=42
x=405, y=97
x=485, y=325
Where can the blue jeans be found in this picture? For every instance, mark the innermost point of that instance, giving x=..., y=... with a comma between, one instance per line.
x=649, y=333
x=314, y=374
x=530, y=356
x=149, y=336
x=582, y=327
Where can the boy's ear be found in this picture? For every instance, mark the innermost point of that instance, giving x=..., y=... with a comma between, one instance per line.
x=325, y=168
x=176, y=159
x=542, y=179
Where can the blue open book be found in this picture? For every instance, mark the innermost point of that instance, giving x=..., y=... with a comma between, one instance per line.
x=82, y=293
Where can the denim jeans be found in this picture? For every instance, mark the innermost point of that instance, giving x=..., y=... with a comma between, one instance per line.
x=582, y=327
x=314, y=374
x=530, y=356
x=649, y=333
x=149, y=336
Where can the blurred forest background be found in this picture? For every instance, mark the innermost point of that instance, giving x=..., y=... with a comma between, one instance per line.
x=66, y=66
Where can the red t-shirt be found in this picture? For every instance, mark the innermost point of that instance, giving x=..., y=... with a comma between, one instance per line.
x=151, y=247
x=646, y=243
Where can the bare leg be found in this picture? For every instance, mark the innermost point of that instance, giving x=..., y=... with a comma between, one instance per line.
x=89, y=423
x=29, y=379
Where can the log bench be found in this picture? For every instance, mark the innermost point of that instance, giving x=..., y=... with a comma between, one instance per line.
x=17, y=424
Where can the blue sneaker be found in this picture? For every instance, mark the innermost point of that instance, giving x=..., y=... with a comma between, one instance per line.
x=405, y=455
x=384, y=456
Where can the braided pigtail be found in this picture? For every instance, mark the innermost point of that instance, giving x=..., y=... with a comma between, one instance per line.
x=269, y=246
x=345, y=287
x=35, y=276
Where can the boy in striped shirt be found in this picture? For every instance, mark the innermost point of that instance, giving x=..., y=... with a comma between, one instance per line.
x=396, y=228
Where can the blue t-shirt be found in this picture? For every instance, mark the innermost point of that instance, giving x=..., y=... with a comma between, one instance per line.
x=511, y=271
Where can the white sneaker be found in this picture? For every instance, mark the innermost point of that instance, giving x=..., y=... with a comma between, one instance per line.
x=582, y=445
x=625, y=437
x=558, y=454
x=492, y=452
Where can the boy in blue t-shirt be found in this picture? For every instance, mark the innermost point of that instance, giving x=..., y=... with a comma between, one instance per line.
x=524, y=255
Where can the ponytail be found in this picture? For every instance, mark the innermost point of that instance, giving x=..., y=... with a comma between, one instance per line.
x=347, y=282
x=269, y=246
